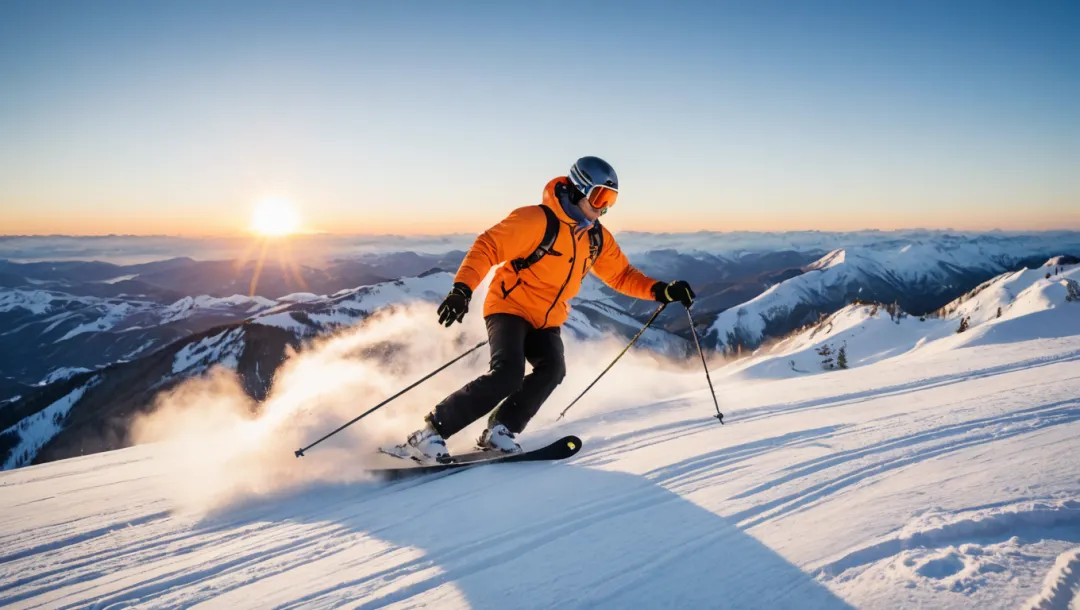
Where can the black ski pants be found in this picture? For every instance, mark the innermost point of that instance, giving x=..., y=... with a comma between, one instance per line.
x=512, y=341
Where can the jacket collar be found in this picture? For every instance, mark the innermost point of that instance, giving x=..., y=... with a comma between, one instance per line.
x=551, y=201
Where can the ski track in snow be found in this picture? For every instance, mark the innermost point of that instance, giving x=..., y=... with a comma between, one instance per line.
x=879, y=487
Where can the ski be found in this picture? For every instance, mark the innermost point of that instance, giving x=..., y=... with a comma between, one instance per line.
x=559, y=450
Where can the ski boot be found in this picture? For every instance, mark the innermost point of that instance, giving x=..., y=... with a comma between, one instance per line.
x=424, y=446
x=498, y=438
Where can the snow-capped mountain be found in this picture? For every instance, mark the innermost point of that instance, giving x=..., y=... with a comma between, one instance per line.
x=1020, y=305
x=52, y=343
x=594, y=312
x=251, y=270
x=308, y=317
x=89, y=411
x=920, y=276
x=386, y=252
x=943, y=476
x=44, y=333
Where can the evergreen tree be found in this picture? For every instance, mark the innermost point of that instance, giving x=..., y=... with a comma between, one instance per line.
x=841, y=357
x=827, y=359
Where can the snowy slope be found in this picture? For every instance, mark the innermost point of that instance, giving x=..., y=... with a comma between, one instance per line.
x=307, y=316
x=600, y=319
x=593, y=314
x=189, y=306
x=938, y=478
x=255, y=348
x=1013, y=306
x=99, y=314
x=44, y=332
x=35, y=431
x=915, y=273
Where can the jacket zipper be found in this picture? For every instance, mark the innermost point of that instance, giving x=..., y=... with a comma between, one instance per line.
x=570, y=274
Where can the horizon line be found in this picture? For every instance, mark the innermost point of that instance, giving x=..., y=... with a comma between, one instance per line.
x=318, y=234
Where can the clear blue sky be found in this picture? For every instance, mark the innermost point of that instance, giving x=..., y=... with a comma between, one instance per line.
x=174, y=117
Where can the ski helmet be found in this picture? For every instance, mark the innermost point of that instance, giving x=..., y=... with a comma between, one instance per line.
x=595, y=179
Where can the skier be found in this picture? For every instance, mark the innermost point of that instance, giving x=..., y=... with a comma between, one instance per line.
x=549, y=247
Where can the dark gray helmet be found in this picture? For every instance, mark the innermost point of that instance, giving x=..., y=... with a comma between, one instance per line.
x=588, y=172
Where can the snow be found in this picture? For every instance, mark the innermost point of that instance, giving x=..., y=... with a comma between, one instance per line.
x=36, y=431
x=940, y=472
x=1030, y=306
x=731, y=244
x=55, y=321
x=37, y=302
x=592, y=289
x=113, y=315
x=300, y=297
x=836, y=258
x=62, y=373
x=1017, y=294
x=223, y=348
x=104, y=315
x=347, y=307
x=1057, y=261
x=922, y=262
x=910, y=243
x=284, y=320
x=121, y=278
x=655, y=339
x=1062, y=584
x=188, y=306
x=139, y=350
x=371, y=298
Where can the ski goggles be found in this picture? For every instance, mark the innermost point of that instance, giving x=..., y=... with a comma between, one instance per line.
x=602, y=197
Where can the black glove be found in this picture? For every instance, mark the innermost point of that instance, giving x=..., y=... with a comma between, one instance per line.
x=678, y=290
x=455, y=305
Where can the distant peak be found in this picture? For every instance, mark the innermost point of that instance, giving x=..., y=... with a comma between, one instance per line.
x=832, y=259
x=1062, y=260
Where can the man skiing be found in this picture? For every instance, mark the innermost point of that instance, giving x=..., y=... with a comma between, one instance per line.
x=549, y=248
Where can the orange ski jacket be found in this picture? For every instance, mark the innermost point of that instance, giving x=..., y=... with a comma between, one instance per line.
x=541, y=292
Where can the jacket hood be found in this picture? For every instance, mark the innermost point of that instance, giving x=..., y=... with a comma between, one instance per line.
x=552, y=201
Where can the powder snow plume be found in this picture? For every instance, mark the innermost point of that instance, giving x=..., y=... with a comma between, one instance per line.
x=226, y=448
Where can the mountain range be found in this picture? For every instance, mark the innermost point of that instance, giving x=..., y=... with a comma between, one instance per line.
x=84, y=346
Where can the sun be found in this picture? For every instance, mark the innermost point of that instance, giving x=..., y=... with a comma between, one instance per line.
x=275, y=217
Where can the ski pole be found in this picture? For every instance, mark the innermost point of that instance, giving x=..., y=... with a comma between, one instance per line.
x=625, y=349
x=300, y=452
x=719, y=415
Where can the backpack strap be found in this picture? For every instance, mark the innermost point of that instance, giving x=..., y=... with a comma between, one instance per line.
x=596, y=246
x=596, y=242
x=547, y=244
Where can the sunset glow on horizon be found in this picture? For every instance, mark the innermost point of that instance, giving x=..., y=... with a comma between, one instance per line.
x=275, y=217
x=403, y=118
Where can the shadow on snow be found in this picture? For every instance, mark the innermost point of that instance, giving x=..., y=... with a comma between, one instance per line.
x=541, y=535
